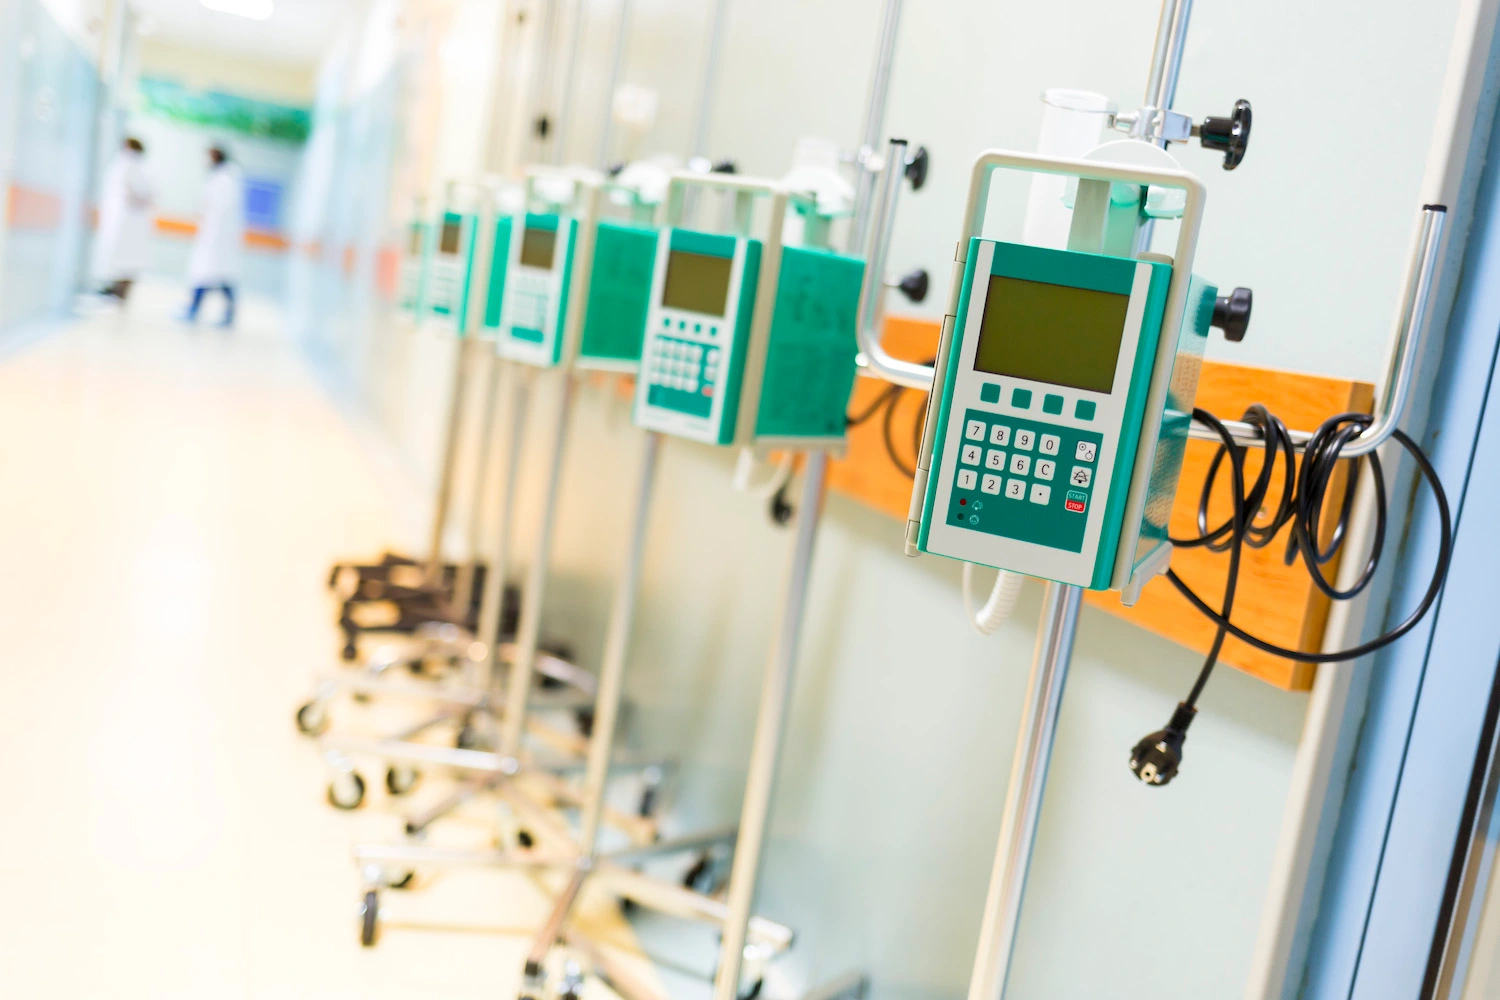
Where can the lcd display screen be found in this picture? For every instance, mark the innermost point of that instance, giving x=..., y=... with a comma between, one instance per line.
x=697, y=282
x=1051, y=333
x=451, y=236
x=537, y=248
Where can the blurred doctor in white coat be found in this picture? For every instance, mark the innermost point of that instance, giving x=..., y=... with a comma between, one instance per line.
x=122, y=246
x=215, y=263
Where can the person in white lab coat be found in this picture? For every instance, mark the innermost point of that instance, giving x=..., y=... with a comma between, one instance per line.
x=215, y=262
x=122, y=246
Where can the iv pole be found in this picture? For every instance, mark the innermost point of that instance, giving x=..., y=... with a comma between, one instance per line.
x=776, y=688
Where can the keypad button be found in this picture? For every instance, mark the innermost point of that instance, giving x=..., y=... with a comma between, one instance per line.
x=974, y=430
x=970, y=454
x=1086, y=451
x=1000, y=434
x=1020, y=465
x=966, y=478
x=1050, y=444
x=713, y=355
x=1040, y=494
x=989, y=393
x=1045, y=469
x=1052, y=404
x=1084, y=409
x=991, y=484
x=1025, y=440
x=1081, y=475
x=1016, y=489
x=1020, y=399
x=994, y=460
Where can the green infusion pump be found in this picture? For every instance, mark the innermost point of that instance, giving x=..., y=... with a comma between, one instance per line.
x=619, y=296
x=1063, y=399
x=747, y=341
x=532, y=271
x=413, y=266
x=450, y=268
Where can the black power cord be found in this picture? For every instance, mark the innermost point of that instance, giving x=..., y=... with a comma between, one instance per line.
x=1156, y=758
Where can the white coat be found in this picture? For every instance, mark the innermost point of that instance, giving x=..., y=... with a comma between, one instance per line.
x=122, y=246
x=221, y=230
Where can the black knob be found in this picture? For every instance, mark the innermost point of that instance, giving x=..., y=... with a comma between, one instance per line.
x=542, y=126
x=724, y=167
x=614, y=169
x=1156, y=758
x=916, y=168
x=914, y=284
x=1232, y=314
x=1229, y=136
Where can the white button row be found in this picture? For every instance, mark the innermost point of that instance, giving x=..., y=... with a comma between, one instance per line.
x=684, y=352
x=1015, y=489
x=677, y=382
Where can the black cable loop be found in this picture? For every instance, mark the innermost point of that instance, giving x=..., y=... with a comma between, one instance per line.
x=1320, y=459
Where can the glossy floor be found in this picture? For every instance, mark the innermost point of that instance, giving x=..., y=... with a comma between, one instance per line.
x=172, y=500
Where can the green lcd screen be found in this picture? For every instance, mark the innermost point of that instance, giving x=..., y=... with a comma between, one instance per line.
x=450, y=237
x=537, y=248
x=1051, y=333
x=697, y=282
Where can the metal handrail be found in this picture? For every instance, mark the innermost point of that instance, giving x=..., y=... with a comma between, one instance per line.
x=873, y=355
x=1410, y=331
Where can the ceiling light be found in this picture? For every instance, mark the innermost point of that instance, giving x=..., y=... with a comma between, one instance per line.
x=256, y=10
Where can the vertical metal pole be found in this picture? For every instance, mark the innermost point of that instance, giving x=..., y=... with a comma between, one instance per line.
x=545, y=72
x=616, y=647
x=564, y=118
x=880, y=89
x=1023, y=794
x=1166, y=56
x=492, y=602
x=717, y=26
x=463, y=584
x=512, y=725
x=617, y=67
x=1054, y=651
x=770, y=726
x=449, y=466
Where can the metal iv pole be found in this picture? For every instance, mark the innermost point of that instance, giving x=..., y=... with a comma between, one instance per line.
x=1050, y=662
x=770, y=725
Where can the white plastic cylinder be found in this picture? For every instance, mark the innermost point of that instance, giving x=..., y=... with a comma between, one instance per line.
x=1072, y=123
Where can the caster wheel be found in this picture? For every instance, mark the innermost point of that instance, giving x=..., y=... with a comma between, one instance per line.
x=369, y=919
x=351, y=652
x=312, y=719
x=697, y=877
x=400, y=779
x=584, y=719
x=628, y=906
x=346, y=791
x=404, y=882
x=525, y=839
x=472, y=737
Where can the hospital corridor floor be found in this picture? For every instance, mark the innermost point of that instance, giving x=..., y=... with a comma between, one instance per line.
x=172, y=500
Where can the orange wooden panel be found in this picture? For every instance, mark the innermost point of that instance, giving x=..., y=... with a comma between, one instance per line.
x=1275, y=601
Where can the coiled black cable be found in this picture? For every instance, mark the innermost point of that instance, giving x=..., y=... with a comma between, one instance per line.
x=1304, y=495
